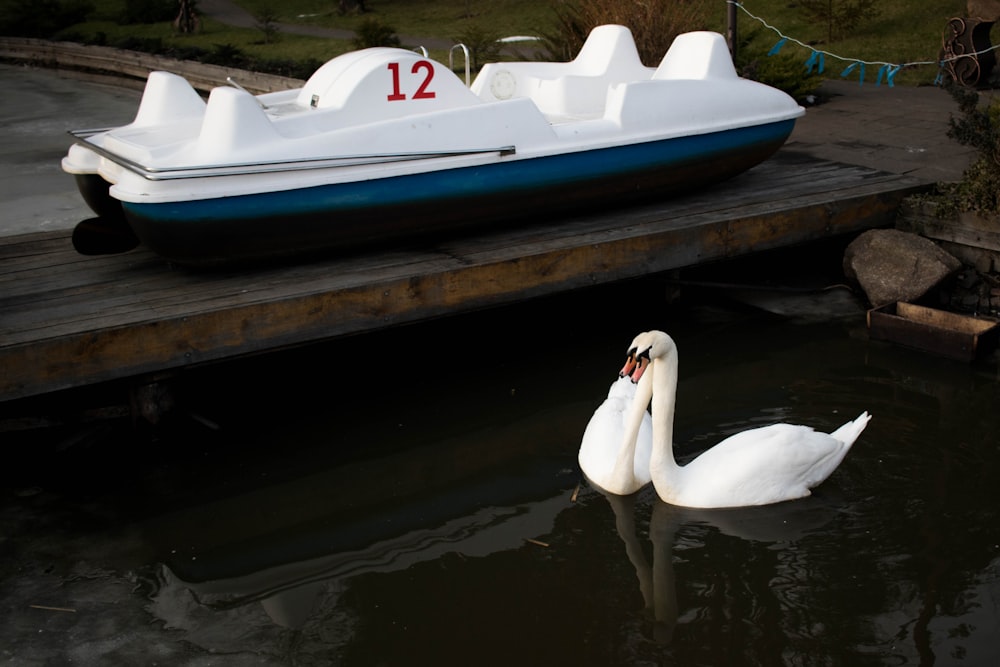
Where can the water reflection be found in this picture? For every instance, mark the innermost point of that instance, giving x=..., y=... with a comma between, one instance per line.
x=892, y=561
x=387, y=524
x=301, y=593
x=776, y=527
x=289, y=592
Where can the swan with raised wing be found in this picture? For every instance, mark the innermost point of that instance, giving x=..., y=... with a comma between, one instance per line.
x=760, y=466
x=610, y=457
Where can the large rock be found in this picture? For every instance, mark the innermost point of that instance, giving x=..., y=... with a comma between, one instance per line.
x=891, y=265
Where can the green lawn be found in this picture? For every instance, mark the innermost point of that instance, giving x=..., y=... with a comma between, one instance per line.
x=902, y=32
x=442, y=19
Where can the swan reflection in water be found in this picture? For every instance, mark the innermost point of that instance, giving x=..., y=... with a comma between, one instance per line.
x=289, y=592
x=225, y=602
x=779, y=523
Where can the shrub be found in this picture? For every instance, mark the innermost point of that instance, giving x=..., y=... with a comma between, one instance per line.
x=783, y=71
x=186, y=52
x=267, y=22
x=372, y=32
x=297, y=69
x=979, y=128
x=153, y=45
x=226, y=55
x=839, y=16
x=351, y=7
x=482, y=44
x=41, y=18
x=653, y=23
x=148, y=11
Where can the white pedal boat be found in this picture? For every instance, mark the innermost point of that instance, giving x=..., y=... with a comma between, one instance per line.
x=385, y=143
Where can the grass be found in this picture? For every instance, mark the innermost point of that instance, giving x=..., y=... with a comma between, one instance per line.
x=441, y=19
x=102, y=26
x=903, y=31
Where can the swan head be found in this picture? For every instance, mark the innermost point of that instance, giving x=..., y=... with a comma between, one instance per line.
x=646, y=347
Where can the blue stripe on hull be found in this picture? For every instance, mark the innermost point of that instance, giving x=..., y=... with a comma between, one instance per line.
x=465, y=183
x=269, y=226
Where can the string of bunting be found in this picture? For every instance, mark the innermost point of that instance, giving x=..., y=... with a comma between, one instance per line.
x=817, y=58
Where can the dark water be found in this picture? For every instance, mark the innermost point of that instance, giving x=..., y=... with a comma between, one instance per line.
x=407, y=498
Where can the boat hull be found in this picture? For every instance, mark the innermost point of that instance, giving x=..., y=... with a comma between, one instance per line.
x=96, y=193
x=272, y=225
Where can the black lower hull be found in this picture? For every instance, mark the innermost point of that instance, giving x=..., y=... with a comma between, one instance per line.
x=269, y=238
x=277, y=224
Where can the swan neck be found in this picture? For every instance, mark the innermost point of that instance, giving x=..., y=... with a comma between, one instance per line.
x=624, y=469
x=662, y=465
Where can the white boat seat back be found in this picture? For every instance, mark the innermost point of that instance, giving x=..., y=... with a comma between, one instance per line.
x=167, y=98
x=577, y=89
x=609, y=52
x=697, y=55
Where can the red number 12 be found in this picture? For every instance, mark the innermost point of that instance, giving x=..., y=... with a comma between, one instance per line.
x=422, y=92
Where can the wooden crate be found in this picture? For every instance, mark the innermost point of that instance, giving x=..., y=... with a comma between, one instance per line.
x=940, y=332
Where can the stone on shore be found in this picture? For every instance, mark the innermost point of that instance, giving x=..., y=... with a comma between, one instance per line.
x=892, y=266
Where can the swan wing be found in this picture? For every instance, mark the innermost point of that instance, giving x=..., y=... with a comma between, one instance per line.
x=761, y=466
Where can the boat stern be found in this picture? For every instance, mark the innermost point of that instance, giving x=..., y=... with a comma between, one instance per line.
x=83, y=165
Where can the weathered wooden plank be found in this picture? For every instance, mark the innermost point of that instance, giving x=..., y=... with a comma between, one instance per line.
x=69, y=321
x=964, y=227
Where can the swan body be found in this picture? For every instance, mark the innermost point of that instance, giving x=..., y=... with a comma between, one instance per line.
x=760, y=466
x=609, y=461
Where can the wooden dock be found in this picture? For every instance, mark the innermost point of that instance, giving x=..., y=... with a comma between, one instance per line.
x=70, y=321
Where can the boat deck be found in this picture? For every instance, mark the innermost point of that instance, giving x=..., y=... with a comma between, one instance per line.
x=67, y=320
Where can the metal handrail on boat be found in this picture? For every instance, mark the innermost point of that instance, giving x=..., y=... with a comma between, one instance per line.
x=235, y=84
x=270, y=166
x=451, y=62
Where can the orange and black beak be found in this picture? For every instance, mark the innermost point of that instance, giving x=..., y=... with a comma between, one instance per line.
x=635, y=365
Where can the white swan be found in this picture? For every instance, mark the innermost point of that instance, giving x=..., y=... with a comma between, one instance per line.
x=756, y=467
x=612, y=459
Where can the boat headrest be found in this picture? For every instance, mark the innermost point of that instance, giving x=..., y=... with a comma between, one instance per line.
x=608, y=50
x=167, y=98
x=697, y=55
x=234, y=122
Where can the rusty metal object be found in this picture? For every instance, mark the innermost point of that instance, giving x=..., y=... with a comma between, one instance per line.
x=965, y=51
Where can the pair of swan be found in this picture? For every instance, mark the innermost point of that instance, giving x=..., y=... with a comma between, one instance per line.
x=624, y=448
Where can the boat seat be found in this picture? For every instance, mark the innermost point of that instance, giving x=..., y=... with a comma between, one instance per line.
x=699, y=55
x=574, y=90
